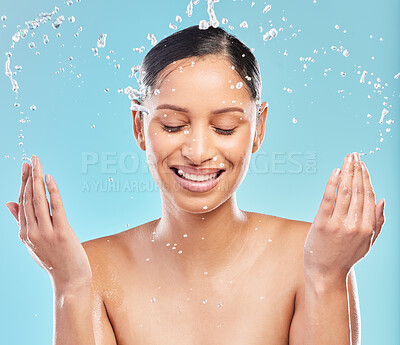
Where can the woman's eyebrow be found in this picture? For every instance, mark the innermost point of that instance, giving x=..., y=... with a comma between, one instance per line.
x=185, y=110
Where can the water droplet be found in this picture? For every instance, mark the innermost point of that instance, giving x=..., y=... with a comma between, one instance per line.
x=185, y=131
x=294, y=120
x=269, y=240
x=204, y=301
x=205, y=273
x=384, y=113
x=205, y=207
x=156, y=92
x=244, y=25
x=16, y=105
x=270, y=34
x=362, y=79
x=397, y=76
x=214, y=158
x=106, y=89
x=69, y=3
x=35, y=315
x=219, y=305
x=239, y=85
x=178, y=19
x=343, y=74
x=72, y=19
x=203, y=25
x=92, y=126
x=172, y=26
x=56, y=24
x=267, y=9
x=185, y=235
x=31, y=45
x=101, y=41
x=18, y=68
x=110, y=179
x=261, y=297
x=3, y=18
x=377, y=86
x=221, y=165
x=224, y=21
x=117, y=66
x=153, y=299
x=147, y=259
x=33, y=107
x=152, y=38
x=346, y=53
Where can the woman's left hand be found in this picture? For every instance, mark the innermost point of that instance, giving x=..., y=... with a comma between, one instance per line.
x=346, y=225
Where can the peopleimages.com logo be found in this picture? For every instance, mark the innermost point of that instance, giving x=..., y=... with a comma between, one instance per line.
x=133, y=169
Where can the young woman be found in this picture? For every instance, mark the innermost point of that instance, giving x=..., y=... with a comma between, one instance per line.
x=205, y=272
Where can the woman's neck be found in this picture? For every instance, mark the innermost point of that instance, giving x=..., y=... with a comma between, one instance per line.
x=205, y=242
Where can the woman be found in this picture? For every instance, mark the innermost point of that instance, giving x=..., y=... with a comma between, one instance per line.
x=205, y=271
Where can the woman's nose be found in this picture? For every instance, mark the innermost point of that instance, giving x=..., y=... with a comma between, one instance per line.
x=198, y=147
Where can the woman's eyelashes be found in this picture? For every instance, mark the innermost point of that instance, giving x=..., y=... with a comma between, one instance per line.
x=218, y=130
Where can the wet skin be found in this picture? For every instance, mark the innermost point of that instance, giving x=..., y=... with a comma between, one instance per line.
x=218, y=275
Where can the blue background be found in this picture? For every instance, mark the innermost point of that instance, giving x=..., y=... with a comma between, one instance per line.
x=329, y=125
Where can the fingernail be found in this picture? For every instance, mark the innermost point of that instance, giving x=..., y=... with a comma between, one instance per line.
x=24, y=167
x=383, y=203
x=336, y=172
x=47, y=178
x=356, y=156
x=350, y=157
x=33, y=160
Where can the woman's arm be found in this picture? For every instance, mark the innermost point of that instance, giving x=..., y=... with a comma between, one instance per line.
x=326, y=306
x=73, y=316
x=346, y=226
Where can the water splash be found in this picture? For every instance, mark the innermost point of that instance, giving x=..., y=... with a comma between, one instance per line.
x=45, y=39
x=211, y=12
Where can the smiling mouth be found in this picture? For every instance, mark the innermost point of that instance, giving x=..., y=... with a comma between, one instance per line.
x=197, y=178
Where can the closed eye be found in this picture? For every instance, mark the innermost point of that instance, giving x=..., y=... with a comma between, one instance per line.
x=218, y=130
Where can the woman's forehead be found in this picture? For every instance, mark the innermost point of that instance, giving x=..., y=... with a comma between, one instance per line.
x=210, y=77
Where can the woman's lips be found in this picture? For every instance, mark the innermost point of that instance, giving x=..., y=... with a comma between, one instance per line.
x=197, y=186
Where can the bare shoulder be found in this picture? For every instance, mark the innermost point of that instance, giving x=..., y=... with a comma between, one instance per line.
x=112, y=253
x=297, y=230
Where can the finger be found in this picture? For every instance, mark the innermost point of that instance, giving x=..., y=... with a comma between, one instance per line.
x=343, y=196
x=355, y=211
x=24, y=178
x=380, y=219
x=40, y=204
x=328, y=200
x=31, y=222
x=59, y=218
x=369, y=214
x=13, y=208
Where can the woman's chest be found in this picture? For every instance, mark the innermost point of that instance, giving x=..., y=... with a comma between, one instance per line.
x=254, y=308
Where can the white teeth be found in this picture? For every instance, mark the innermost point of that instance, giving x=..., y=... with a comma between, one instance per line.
x=199, y=178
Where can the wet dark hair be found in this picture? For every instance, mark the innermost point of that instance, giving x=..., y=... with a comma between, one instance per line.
x=194, y=42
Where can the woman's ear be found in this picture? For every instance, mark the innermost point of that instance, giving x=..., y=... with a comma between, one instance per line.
x=138, y=127
x=260, y=126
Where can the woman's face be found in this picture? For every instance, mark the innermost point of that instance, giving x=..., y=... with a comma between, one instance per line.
x=202, y=117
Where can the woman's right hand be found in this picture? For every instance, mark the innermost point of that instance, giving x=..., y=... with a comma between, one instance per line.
x=48, y=237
